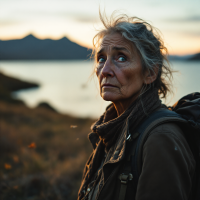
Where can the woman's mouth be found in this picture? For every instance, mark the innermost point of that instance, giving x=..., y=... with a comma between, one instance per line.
x=107, y=85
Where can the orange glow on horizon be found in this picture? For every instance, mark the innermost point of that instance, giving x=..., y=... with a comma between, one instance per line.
x=190, y=46
x=182, y=52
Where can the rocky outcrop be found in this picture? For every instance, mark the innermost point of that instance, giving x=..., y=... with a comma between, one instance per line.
x=47, y=106
x=13, y=84
x=9, y=84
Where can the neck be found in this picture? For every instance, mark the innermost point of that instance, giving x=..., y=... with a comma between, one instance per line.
x=122, y=105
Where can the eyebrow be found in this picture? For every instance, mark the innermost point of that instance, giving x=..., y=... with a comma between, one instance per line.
x=114, y=48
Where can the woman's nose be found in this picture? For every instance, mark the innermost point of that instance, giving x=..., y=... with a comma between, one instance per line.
x=107, y=69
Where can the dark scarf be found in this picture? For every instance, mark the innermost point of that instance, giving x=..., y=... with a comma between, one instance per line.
x=107, y=128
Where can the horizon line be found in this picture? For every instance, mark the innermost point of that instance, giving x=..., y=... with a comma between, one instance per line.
x=79, y=43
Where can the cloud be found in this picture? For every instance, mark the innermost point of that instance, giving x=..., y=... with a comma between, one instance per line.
x=70, y=15
x=86, y=19
x=195, y=18
x=193, y=33
x=8, y=22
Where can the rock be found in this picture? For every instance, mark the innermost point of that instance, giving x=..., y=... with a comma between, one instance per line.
x=6, y=96
x=13, y=84
x=9, y=84
x=46, y=106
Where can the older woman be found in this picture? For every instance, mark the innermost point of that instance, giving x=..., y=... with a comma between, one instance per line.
x=131, y=68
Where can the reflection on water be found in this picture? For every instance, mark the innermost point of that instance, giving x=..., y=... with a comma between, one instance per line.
x=67, y=85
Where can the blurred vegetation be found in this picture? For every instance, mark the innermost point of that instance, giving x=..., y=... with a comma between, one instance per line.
x=42, y=152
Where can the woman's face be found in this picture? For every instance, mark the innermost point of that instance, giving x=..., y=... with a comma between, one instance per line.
x=119, y=69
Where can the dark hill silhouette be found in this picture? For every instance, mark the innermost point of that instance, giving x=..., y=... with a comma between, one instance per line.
x=185, y=58
x=195, y=57
x=32, y=48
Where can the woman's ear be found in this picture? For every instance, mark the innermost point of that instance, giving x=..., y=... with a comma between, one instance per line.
x=150, y=76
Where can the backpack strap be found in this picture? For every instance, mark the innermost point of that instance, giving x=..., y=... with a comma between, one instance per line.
x=126, y=175
x=130, y=167
x=155, y=119
x=161, y=117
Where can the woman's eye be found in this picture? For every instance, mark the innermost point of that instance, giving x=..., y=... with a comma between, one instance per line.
x=101, y=60
x=121, y=59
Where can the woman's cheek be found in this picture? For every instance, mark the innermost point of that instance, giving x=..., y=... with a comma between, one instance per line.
x=128, y=74
x=121, y=64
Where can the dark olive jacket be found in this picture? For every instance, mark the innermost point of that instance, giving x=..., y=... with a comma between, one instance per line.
x=166, y=162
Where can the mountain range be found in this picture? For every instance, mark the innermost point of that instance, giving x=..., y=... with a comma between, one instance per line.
x=193, y=57
x=32, y=48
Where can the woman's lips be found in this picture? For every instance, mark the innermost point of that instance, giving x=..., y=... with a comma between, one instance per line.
x=107, y=85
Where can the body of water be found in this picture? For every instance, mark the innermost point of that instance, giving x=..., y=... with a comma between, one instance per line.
x=68, y=87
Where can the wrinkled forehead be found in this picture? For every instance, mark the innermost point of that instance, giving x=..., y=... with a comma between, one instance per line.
x=115, y=40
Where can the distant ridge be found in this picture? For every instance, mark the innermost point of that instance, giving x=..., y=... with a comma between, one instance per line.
x=186, y=57
x=195, y=57
x=32, y=48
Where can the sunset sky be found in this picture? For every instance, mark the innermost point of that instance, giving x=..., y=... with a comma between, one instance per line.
x=178, y=20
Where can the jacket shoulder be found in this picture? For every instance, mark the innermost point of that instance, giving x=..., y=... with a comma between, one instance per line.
x=170, y=135
x=167, y=163
x=171, y=128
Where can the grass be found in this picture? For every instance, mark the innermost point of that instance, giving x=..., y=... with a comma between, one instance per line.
x=42, y=153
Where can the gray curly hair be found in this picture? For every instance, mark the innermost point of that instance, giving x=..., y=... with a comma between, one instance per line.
x=148, y=43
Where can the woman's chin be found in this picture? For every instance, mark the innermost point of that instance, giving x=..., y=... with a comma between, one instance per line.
x=107, y=96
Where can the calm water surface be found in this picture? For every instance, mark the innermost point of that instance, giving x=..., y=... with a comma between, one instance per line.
x=67, y=85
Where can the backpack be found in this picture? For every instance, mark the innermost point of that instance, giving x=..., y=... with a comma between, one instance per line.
x=186, y=113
